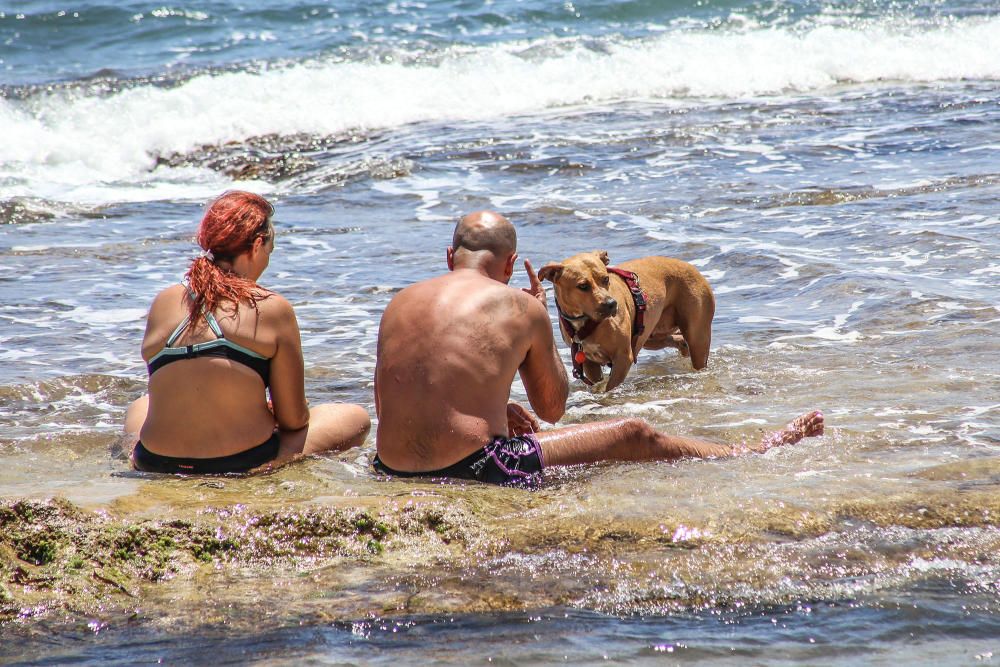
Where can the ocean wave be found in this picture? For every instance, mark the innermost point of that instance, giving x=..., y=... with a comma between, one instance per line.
x=88, y=146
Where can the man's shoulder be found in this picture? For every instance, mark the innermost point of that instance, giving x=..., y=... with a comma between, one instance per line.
x=448, y=282
x=528, y=303
x=418, y=297
x=463, y=292
x=415, y=290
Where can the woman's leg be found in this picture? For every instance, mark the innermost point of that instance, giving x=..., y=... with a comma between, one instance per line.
x=336, y=427
x=135, y=417
x=635, y=440
x=333, y=427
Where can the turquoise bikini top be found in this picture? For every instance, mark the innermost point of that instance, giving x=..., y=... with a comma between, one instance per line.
x=220, y=347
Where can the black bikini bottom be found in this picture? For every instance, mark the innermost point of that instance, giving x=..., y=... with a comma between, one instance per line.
x=147, y=461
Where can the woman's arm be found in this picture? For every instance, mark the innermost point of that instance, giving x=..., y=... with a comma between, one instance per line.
x=287, y=371
x=168, y=309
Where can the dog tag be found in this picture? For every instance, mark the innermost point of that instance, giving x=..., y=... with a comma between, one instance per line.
x=580, y=357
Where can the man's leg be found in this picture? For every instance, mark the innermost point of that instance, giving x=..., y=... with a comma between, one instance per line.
x=635, y=440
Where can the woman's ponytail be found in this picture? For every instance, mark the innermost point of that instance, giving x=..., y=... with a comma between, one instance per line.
x=231, y=225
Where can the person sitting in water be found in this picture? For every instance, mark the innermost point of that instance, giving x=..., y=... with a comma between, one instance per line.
x=214, y=345
x=448, y=350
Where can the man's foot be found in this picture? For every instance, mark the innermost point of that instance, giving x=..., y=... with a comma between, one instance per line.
x=807, y=426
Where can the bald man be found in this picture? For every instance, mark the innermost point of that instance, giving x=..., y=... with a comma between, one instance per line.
x=448, y=350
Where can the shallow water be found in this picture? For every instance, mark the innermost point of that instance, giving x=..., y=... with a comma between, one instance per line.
x=830, y=167
x=831, y=634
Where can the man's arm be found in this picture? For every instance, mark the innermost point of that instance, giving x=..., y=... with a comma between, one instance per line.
x=542, y=371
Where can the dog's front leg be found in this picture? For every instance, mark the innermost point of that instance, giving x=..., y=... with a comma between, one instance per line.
x=593, y=371
x=620, y=367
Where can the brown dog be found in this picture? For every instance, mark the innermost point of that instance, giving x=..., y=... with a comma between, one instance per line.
x=598, y=312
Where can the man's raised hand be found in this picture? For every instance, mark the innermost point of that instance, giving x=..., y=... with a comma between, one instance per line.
x=536, y=289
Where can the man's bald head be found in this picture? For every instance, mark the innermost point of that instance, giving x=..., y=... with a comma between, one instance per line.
x=485, y=230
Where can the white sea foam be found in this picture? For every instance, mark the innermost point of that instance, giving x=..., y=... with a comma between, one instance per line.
x=69, y=145
x=726, y=289
x=106, y=316
x=19, y=355
x=979, y=410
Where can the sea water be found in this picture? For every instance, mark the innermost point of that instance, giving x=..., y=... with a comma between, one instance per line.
x=832, y=168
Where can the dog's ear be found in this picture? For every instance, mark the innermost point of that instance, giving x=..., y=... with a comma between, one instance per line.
x=550, y=272
x=603, y=256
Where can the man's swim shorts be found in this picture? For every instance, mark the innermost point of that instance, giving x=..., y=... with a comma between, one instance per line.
x=514, y=461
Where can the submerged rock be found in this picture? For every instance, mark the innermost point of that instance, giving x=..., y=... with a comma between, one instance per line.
x=55, y=555
x=466, y=551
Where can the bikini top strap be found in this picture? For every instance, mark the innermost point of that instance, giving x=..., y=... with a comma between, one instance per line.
x=214, y=324
x=177, y=332
x=209, y=318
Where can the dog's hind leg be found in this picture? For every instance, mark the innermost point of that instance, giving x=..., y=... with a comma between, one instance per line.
x=699, y=342
x=670, y=338
x=696, y=327
x=662, y=337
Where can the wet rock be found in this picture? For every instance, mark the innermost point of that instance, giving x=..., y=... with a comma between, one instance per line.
x=432, y=555
x=54, y=554
x=271, y=157
x=323, y=160
x=243, y=160
x=18, y=211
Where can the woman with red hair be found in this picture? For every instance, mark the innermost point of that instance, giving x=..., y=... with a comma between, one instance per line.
x=214, y=345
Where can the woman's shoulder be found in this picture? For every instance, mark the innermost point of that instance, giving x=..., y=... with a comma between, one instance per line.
x=169, y=296
x=273, y=305
x=174, y=290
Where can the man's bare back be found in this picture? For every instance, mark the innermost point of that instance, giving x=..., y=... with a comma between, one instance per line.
x=448, y=350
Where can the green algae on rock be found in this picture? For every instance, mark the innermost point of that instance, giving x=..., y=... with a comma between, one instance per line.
x=55, y=555
x=460, y=554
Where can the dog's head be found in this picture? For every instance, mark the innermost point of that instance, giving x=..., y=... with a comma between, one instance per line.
x=582, y=285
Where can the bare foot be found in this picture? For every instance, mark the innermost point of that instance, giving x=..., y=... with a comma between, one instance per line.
x=807, y=426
